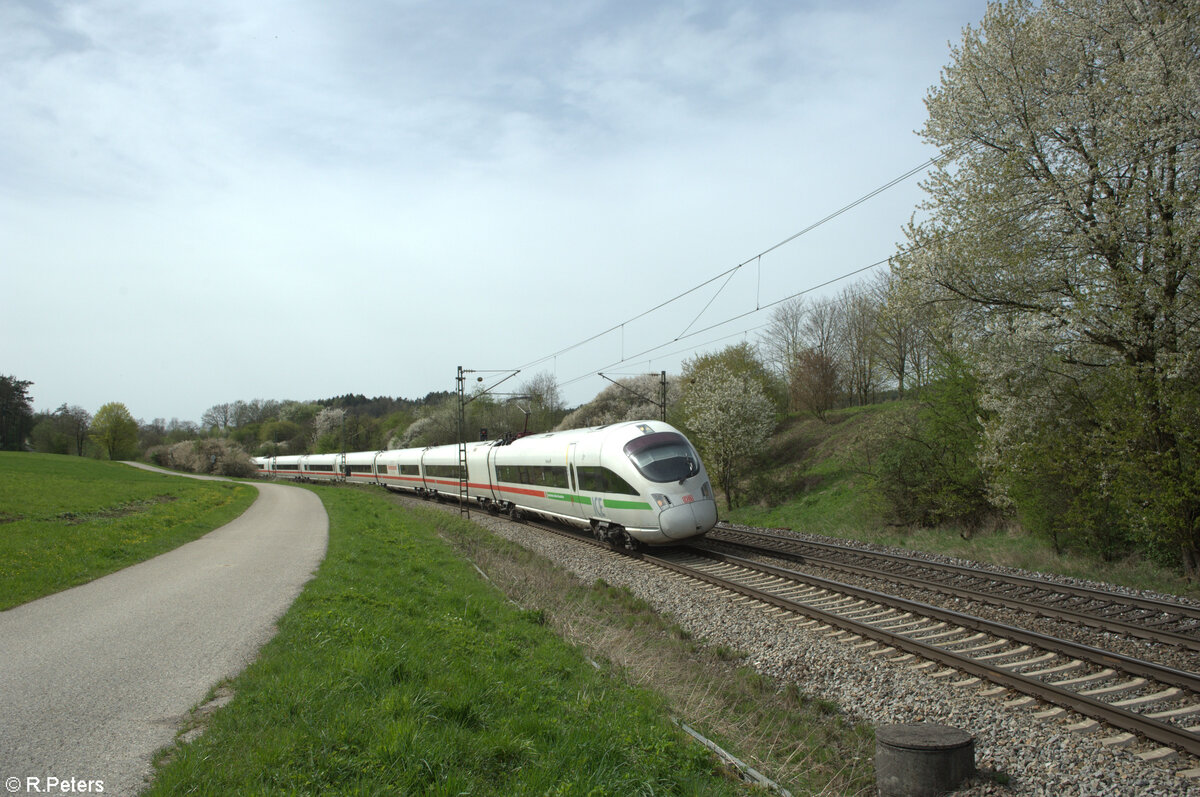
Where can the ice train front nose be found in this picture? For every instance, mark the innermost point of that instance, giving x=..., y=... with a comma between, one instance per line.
x=687, y=520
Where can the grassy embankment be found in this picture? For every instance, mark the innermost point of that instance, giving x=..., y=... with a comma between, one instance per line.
x=65, y=521
x=814, y=465
x=400, y=670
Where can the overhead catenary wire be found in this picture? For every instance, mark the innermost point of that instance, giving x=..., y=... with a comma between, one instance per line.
x=914, y=247
x=951, y=153
x=638, y=356
x=729, y=272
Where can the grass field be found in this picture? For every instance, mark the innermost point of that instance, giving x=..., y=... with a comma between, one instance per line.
x=399, y=670
x=67, y=520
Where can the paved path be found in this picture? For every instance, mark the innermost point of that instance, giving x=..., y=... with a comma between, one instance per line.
x=95, y=679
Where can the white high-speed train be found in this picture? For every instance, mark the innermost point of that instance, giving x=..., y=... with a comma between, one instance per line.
x=629, y=482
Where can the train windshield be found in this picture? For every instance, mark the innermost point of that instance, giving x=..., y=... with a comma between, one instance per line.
x=663, y=457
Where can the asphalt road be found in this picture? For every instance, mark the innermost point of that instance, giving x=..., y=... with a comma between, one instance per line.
x=95, y=679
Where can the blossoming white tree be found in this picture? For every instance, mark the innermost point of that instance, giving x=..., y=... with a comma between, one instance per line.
x=328, y=424
x=730, y=418
x=1067, y=222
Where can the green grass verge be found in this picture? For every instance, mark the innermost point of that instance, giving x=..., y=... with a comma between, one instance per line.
x=65, y=520
x=808, y=745
x=836, y=503
x=399, y=671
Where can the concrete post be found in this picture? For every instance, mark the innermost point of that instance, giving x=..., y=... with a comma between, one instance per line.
x=923, y=760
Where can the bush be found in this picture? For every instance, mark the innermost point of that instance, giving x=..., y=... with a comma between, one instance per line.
x=929, y=471
x=159, y=455
x=1075, y=467
x=218, y=456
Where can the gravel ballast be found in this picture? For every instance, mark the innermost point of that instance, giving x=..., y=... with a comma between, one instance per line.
x=1017, y=753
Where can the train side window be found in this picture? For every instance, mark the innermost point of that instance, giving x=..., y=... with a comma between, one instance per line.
x=535, y=475
x=553, y=477
x=603, y=480
x=616, y=484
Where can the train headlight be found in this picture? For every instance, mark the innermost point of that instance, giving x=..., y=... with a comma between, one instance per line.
x=706, y=490
x=660, y=499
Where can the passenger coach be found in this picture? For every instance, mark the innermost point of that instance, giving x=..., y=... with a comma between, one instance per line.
x=633, y=481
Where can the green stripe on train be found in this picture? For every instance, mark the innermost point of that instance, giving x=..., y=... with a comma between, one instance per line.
x=568, y=497
x=609, y=503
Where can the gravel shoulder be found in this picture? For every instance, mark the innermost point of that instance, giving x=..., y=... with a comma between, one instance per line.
x=1018, y=753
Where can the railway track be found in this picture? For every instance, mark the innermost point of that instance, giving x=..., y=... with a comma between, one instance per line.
x=1137, y=698
x=1159, y=621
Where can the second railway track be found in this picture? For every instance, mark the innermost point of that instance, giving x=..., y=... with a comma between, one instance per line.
x=1159, y=621
x=1132, y=695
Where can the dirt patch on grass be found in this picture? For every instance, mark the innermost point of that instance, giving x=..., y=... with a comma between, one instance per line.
x=123, y=510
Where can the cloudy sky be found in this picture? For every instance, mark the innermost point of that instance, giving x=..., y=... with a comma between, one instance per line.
x=205, y=202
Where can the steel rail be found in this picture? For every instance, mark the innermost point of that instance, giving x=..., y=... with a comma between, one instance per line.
x=1131, y=721
x=1105, y=658
x=1148, y=727
x=1095, y=620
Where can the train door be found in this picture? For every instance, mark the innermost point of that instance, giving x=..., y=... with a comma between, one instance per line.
x=490, y=470
x=577, y=507
x=585, y=464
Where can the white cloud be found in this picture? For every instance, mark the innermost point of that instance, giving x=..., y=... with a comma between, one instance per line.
x=175, y=171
